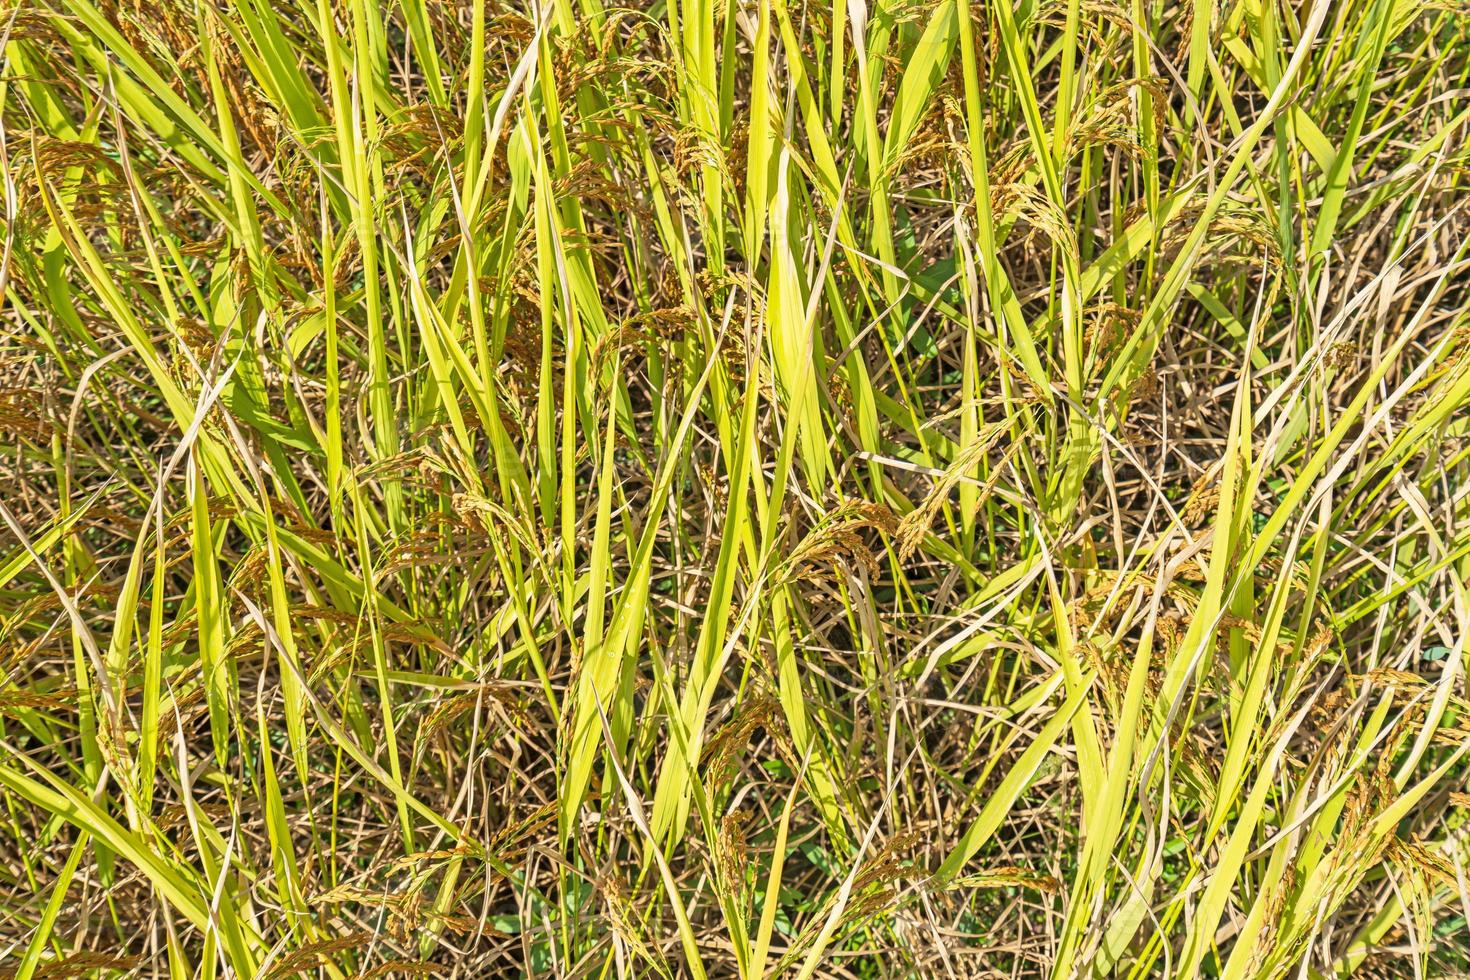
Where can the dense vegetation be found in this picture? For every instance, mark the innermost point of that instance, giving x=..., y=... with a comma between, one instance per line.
x=896, y=488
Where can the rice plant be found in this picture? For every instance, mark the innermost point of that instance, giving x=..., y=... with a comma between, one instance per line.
x=734, y=488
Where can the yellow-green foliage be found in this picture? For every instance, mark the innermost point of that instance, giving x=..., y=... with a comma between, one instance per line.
x=888, y=488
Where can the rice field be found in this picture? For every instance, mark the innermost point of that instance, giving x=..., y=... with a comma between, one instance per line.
x=734, y=489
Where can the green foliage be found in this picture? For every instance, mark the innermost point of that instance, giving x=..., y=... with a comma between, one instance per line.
x=901, y=489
